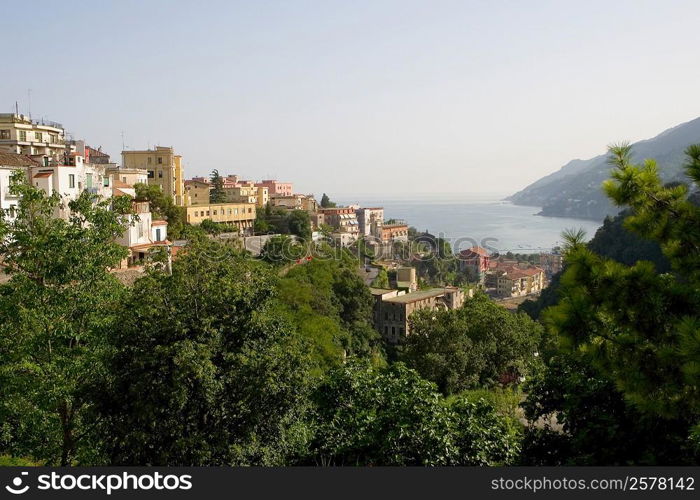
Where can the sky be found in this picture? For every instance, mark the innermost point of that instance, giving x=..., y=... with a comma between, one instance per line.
x=366, y=97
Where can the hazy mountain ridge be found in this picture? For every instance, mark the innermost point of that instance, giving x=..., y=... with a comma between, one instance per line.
x=574, y=190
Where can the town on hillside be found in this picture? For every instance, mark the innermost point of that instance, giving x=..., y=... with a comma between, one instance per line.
x=250, y=211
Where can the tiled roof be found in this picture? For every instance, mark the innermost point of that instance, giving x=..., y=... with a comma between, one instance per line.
x=43, y=175
x=159, y=223
x=15, y=160
x=475, y=251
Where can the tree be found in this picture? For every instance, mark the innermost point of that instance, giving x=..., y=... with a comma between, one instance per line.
x=217, y=193
x=326, y=202
x=390, y=416
x=635, y=326
x=162, y=207
x=598, y=427
x=480, y=344
x=202, y=371
x=381, y=280
x=56, y=314
x=299, y=224
x=282, y=250
x=331, y=306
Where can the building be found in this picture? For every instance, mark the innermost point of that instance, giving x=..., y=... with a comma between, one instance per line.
x=10, y=163
x=406, y=279
x=392, y=313
x=276, y=188
x=305, y=202
x=21, y=135
x=143, y=235
x=516, y=281
x=551, y=263
x=127, y=177
x=197, y=192
x=69, y=175
x=394, y=232
x=164, y=169
x=370, y=221
x=475, y=261
x=241, y=215
x=343, y=220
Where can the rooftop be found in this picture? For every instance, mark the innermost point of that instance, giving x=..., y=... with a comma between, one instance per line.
x=416, y=296
x=15, y=160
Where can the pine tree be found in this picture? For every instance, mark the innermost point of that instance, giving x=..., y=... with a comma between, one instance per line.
x=639, y=327
x=217, y=193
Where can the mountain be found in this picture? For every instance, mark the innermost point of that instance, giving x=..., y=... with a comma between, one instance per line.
x=574, y=190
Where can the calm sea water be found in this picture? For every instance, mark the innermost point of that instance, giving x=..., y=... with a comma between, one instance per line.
x=479, y=219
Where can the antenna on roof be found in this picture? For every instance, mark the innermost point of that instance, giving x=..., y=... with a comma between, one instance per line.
x=29, y=98
x=123, y=140
x=16, y=108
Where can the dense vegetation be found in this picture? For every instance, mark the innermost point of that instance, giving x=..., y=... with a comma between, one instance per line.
x=226, y=359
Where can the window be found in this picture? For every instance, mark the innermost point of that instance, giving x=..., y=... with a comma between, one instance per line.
x=71, y=180
x=229, y=211
x=207, y=212
x=39, y=136
x=88, y=181
x=400, y=331
x=4, y=134
x=214, y=212
x=160, y=160
x=393, y=331
x=151, y=174
x=149, y=160
x=386, y=330
x=386, y=316
x=105, y=181
x=160, y=174
x=22, y=135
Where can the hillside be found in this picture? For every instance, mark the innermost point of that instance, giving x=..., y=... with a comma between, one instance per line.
x=574, y=190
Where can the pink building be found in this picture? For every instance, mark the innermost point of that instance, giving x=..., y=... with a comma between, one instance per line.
x=276, y=188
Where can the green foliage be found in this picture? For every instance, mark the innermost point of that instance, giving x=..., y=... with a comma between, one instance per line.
x=299, y=224
x=282, y=250
x=326, y=202
x=598, y=426
x=56, y=314
x=201, y=372
x=391, y=416
x=632, y=328
x=332, y=308
x=381, y=280
x=481, y=344
x=215, y=228
x=216, y=193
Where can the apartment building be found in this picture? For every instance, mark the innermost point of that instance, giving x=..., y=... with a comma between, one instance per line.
x=21, y=135
x=516, y=281
x=197, y=192
x=370, y=221
x=164, y=169
x=10, y=163
x=394, y=232
x=392, y=312
x=240, y=214
x=475, y=261
x=276, y=188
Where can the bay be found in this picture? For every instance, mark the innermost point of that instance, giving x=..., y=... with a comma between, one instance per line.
x=481, y=219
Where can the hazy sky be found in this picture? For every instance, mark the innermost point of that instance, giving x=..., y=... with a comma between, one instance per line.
x=366, y=97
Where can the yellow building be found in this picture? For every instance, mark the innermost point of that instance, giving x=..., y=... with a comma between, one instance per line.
x=247, y=193
x=21, y=135
x=240, y=214
x=164, y=169
x=197, y=192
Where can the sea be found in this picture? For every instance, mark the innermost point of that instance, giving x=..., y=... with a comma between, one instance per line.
x=478, y=219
